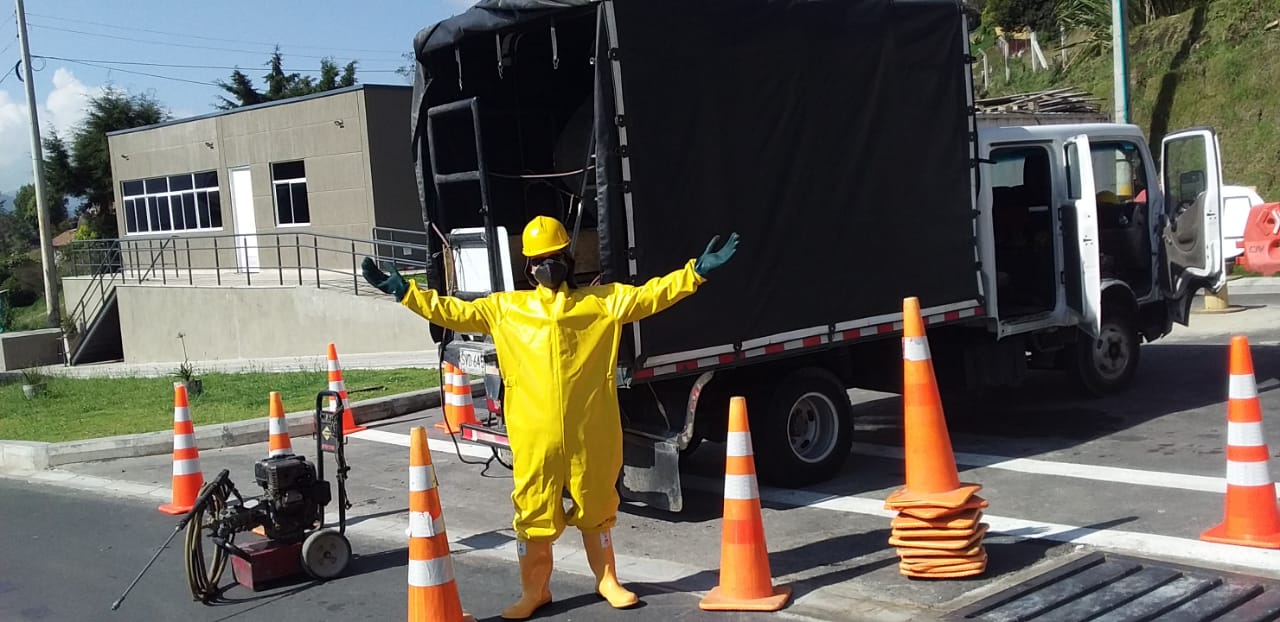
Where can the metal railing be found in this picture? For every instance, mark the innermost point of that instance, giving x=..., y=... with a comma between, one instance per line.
x=222, y=260
x=231, y=259
x=81, y=316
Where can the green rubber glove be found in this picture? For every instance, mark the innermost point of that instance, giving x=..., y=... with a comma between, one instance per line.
x=393, y=284
x=711, y=260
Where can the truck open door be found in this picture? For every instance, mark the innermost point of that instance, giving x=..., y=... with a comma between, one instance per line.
x=1191, y=248
x=1082, y=271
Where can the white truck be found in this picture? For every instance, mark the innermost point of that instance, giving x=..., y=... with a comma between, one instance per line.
x=839, y=139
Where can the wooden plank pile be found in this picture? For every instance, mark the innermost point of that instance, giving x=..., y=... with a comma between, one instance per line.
x=1065, y=100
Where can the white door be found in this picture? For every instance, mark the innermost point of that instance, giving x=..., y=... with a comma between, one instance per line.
x=1191, y=172
x=245, y=223
x=1082, y=270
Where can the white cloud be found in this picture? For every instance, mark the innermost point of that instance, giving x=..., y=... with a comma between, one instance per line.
x=63, y=108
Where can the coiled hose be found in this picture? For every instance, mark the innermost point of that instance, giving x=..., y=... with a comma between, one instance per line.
x=201, y=578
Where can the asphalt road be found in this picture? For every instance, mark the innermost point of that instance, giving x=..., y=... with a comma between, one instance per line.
x=1139, y=474
x=68, y=556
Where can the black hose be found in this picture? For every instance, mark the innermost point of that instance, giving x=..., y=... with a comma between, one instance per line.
x=203, y=578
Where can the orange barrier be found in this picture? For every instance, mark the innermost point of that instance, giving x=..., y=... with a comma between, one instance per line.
x=433, y=592
x=336, y=383
x=745, y=580
x=1251, y=515
x=1261, y=241
x=938, y=530
x=459, y=408
x=187, y=476
x=278, y=441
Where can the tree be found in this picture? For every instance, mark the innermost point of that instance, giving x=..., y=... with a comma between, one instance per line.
x=1039, y=15
x=15, y=236
x=281, y=85
x=86, y=171
x=26, y=208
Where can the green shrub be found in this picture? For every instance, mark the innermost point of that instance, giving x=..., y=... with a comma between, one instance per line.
x=19, y=295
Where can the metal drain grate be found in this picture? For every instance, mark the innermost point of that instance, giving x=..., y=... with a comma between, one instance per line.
x=1102, y=587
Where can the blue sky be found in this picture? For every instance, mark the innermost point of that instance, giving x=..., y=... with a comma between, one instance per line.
x=89, y=43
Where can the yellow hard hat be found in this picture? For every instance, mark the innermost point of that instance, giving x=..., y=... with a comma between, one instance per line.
x=543, y=235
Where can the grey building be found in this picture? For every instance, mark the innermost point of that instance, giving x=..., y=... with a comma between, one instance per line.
x=243, y=229
x=336, y=163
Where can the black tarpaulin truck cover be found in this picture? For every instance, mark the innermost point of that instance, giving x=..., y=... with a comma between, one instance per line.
x=832, y=135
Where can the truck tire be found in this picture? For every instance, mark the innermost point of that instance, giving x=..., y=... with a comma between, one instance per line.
x=803, y=434
x=1106, y=366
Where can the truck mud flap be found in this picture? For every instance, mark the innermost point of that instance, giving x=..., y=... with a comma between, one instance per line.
x=1115, y=588
x=651, y=471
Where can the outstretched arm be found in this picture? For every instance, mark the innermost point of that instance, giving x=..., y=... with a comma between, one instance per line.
x=630, y=303
x=452, y=313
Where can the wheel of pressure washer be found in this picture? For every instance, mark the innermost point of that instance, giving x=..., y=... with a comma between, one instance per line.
x=325, y=554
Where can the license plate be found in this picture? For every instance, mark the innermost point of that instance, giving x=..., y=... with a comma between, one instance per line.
x=471, y=361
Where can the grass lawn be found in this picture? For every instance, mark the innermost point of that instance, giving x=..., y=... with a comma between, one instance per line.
x=80, y=408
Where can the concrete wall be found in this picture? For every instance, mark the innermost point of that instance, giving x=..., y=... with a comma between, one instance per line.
x=355, y=148
x=391, y=159
x=260, y=322
x=30, y=348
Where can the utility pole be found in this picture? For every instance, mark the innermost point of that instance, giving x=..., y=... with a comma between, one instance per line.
x=1120, y=61
x=52, y=305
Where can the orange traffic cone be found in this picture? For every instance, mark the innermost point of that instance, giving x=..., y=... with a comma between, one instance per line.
x=932, y=480
x=336, y=383
x=433, y=592
x=745, y=580
x=187, y=476
x=938, y=530
x=1252, y=517
x=459, y=408
x=278, y=442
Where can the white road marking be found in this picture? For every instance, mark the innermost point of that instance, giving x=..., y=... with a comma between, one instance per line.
x=1117, y=475
x=468, y=449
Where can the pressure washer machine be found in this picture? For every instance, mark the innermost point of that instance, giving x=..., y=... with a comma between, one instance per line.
x=288, y=517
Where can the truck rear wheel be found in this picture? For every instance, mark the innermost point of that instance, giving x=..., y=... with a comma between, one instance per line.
x=1106, y=365
x=804, y=434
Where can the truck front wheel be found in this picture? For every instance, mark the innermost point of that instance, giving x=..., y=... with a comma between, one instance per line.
x=1106, y=365
x=804, y=434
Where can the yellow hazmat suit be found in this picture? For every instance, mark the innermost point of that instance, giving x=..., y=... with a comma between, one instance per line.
x=558, y=351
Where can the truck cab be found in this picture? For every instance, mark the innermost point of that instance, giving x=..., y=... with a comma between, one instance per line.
x=1089, y=246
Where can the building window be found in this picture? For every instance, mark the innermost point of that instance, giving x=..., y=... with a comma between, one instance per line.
x=289, y=181
x=187, y=202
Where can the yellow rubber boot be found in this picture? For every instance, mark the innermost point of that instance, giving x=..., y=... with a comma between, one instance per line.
x=535, y=580
x=600, y=555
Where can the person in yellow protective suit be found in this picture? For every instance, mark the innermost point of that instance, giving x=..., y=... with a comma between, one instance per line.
x=557, y=346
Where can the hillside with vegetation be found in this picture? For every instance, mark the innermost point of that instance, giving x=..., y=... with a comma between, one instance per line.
x=1191, y=63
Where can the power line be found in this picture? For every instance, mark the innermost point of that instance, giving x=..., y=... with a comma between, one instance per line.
x=175, y=66
x=181, y=45
x=192, y=36
x=141, y=73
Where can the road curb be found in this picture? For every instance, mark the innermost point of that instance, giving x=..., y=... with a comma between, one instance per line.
x=38, y=456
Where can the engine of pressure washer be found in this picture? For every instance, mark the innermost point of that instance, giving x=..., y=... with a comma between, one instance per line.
x=292, y=502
